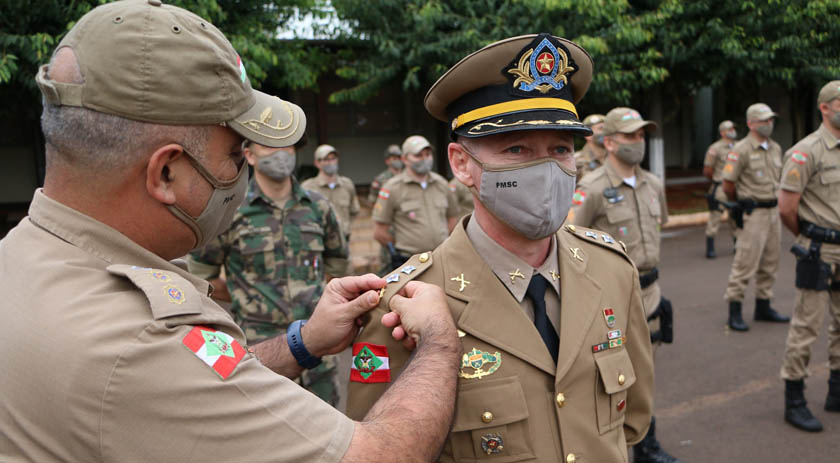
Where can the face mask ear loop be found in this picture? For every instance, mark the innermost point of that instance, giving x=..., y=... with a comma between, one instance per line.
x=472, y=188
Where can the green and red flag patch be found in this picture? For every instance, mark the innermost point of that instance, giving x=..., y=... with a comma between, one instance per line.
x=218, y=350
x=732, y=156
x=370, y=364
x=384, y=194
x=578, y=197
x=799, y=157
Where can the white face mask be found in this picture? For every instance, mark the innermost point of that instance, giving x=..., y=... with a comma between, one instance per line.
x=217, y=215
x=532, y=197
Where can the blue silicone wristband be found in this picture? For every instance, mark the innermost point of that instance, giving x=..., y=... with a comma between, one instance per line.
x=295, y=340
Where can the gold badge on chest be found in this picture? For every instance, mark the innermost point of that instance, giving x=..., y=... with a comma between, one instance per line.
x=477, y=364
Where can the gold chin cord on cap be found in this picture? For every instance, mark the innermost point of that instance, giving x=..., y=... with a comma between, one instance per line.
x=519, y=165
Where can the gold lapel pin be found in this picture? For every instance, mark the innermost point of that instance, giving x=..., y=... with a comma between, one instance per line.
x=575, y=253
x=462, y=280
x=514, y=274
x=554, y=275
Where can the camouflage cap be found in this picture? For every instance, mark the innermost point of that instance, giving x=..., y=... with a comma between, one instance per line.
x=392, y=150
x=150, y=62
x=625, y=120
x=415, y=144
x=726, y=125
x=829, y=92
x=323, y=151
x=593, y=119
x=760, y=112
x=530, y=82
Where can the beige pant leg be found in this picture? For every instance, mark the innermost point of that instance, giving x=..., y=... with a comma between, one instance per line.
x=747, y=255
x=834, y=327
x=713, y=224
x=768, y=266
x=805, y=325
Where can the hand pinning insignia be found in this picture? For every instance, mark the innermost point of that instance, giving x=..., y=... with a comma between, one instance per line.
x=460, y=279
x=514, y=274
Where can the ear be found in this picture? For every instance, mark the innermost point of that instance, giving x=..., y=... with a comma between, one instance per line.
x=459, y=162
x=250, y=156
x=162, y=171
x=609, y=144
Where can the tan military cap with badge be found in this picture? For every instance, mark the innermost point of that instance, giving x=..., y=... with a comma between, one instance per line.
x=593, y=119
x=625, y=120
x=415, y=144
x=760, y=112
x=150, y=62
x=323, y=151
x=540, y=80
x=829, y=92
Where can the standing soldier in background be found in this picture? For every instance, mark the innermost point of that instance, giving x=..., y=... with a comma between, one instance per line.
x=751, y=176
x=628, y=202
x=592, y=155
x=462, y=195
x=395, y=166
x=339, y=190
x=417, y=205
x=284, y=244
x=545, y=313
x=809, y=205
x=713, y=170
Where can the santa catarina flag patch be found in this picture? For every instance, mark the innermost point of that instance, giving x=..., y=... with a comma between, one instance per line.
x=370, y=364
x=217, y=349
x=799, y=157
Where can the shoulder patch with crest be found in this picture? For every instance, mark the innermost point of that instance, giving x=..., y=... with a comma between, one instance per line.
x=169, y=294
x=799, y=157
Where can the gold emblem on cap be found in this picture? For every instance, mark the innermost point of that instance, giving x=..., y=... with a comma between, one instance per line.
x=523, y=72
x=265, y=119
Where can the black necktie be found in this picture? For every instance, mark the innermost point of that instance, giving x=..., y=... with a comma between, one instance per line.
x=536, y=291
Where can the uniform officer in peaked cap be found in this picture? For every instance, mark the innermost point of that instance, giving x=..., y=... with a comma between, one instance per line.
x=111, y=352
x=544, y=313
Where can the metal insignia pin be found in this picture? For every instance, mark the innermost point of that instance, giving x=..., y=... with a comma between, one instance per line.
x=514, y=274
x=576, y=253
x=408, y=269
x=492, y=443
x=609, y=317
x=393, y=278
x=607, y=239
x=590, y=234
x=462, y=280
x=554, y=275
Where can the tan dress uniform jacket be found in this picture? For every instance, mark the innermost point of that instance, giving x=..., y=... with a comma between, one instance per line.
x=514, y=403
x=812, y=168
x=342, y=195
x=755, y=170
x=634, y=216
x=97, y=364
x=716, y=159
x=588, y=159
x=418, y=215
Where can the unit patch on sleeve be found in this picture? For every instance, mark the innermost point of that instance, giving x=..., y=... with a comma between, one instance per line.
x=370, y=364
x=799, y=157
x=220, y=351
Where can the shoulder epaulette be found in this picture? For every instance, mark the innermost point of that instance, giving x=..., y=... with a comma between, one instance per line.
x=400, y=276
x=169, y=294
x=600, y=238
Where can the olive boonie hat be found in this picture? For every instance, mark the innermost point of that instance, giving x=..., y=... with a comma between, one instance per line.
x=760, y=112
x=625, y=120
x=323, y=151
x=726, y=125
x=150, y=62
x=829, y=92
x=593, y=119
x=521, y=83
x=415, y=144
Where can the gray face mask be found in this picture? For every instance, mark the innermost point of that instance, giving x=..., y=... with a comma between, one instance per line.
x=631, y=153
x=599, y=140
x=732, y=135
x=422, y=167
x=330, y=169
x=531, y=197
x=835, y=120
x=277, y=166
x=217, y=215
x=765, y=130
x=397, y=164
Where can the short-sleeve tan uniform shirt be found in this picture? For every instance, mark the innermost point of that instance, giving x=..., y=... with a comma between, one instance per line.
x=716, y=157
x=112, y=354
x=754, y=168
x=342, y=195
x=812, y=168
x=418, y=213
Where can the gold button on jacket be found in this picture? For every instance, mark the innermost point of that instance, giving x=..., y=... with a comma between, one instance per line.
x=519, y=381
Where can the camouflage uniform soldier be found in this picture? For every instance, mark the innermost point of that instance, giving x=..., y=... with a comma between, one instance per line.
x=462, y=195
x=713, y=170
x=395, y=166
x=809, y=206
x=285, y=242
x=592, y=155
x=751, y=176
x=339, y=190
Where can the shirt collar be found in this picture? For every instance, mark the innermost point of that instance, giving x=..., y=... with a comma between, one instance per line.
x=254, y=192
x=98, y=239
x=510, y=269
x=409, y=179
x=616, y=180
x=827, y=137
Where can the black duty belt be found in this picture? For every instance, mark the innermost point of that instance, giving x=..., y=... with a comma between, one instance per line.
x=817, y=233
x=647, y=279
x=749, y=204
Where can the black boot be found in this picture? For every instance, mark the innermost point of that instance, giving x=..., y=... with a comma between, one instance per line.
x=736, y=322
x=649, y=450
x=765, y=313
x=710, y=247
x=796, y=408
x=832, y=402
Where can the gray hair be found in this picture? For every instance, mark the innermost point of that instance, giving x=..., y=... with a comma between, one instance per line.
x=89, y=139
